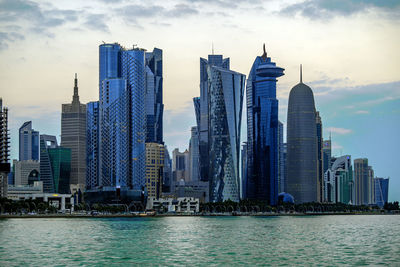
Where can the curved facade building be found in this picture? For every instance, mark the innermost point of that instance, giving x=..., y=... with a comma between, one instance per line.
x=262, y=130
x=302, y=151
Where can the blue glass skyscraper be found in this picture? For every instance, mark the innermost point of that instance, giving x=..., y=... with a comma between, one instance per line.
x=92, y=144
x=28, y=142
x=381, y=191
x=262, y=130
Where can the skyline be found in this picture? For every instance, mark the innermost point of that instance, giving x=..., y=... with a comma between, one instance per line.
x=364, y=85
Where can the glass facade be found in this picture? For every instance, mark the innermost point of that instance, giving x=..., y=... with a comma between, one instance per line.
x=302, y=150
x=225, y=94
x=92, y=144
x=46, y=171
x=338, y=181
x=361, y=181
x=381, y=191
x=60, y=160
x=28, y=142
x=262, y=130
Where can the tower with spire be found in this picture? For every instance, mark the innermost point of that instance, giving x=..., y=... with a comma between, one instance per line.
x=262, y=181
x=73, y=136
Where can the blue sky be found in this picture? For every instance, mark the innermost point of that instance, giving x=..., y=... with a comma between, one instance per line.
x=348, y=48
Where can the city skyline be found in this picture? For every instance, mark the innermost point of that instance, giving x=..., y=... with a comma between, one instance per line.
x=350, y=92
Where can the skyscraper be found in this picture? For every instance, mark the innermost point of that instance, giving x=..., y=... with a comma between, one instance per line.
x=326, y=154
x=225, y=94
x=180, y=165
x=202, y=109
x=55, y=165
x=263, y=130
x=194, y=173
x=73, y=136
x=154, y=96
x=92, y=144
x=4, y=150
x=361, y=181
x=302, y=161
x=381, y=191
x=281, y=159
x=154, y=169
x=371, y=186
x=338, y=181
x=130, y=113
x=320, y=167
x=167, y=176
x=28, y=142
x=243, y=187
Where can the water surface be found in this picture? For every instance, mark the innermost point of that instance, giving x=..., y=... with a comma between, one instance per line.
x=307, y=240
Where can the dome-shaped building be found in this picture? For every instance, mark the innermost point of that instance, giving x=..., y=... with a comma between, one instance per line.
x=302, y=175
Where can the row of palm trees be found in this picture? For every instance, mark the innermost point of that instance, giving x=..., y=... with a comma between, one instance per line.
x=25, y=206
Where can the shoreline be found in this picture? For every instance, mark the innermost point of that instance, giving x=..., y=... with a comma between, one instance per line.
x=48, y=216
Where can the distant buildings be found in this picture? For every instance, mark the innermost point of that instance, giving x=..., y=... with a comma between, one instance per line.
x=361, y=182
x=320, y=167
x=381, y=191
x=194, y=155
x=28, y=142
x=167, y=172
x=92, y=144
x=154, y=169
x=281, y=159
x=180, y=165
x=302, y=145
x=338, y=181
x=263, y=130
x=73, y=136
x=26, y=172
x=4, y=150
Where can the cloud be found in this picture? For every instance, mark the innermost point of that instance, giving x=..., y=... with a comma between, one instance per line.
x=96, y=22
x=6, y=38
x=335, y=146
x=362, y=112
x=327, y=9
x=340, y=131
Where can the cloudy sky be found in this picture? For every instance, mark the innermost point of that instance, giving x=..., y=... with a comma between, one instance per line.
x=349, y=50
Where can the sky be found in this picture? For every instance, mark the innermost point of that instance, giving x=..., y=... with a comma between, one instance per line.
x=349, y=50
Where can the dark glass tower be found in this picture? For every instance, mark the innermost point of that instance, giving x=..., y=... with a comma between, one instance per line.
x=28, y=142
x=92, y=144
x=262, y=130
x=302, y=147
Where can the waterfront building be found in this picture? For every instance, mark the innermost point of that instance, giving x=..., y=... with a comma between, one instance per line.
x=361, y=181
x=195, y=189
x=4, y=150
x=28, y=142
x=167, y=175
x=26, y=172
x=338, y=181
x=154, y=169
x=320, y=167
x=281, y=160
x=92, y=144
x=180, y=165
x=175, y=205
x=154, y=96
x=381, y=191
x=263, y=130
x=302, y=149
x=55, y=166
x=73, y=136
x=194, y=155
x=202, y=109
x=371, y=186
x=130, y=113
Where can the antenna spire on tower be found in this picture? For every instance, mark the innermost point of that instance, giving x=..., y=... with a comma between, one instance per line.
x=301, y=73
x=264, y=55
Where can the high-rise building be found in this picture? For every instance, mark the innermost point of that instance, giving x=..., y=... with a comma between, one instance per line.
x=338, y=181
x=194, y=155
x=154, y=169
x=326, y=154
x=202, y=109
x=73, y=136
x=243, y=187
x=130, y=113
x=55, y=165
x=371, y=186
x=4, y=150
x=381, y=191
x=302, y=154
x=281, y=160
x=154, y=96
x=225, y=99
x=92, y=144
x=28, y=142
x=320, y=166
x=180, y=165
x=263, y=130
x=361, y=182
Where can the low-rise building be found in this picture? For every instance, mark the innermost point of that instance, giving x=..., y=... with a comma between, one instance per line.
x=177, y=205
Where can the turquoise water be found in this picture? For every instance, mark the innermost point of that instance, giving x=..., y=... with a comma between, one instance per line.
x=308, y=240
